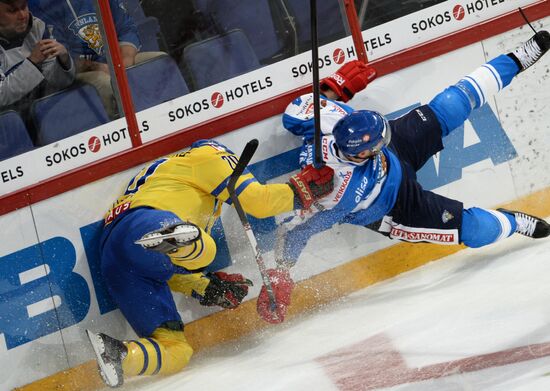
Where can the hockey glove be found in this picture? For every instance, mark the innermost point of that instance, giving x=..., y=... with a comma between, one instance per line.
x=282, y=286
x=225, y=290
x=311, y=183
x=351, y=78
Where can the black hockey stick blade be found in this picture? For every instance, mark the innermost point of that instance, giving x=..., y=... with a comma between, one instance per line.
x=246, y=156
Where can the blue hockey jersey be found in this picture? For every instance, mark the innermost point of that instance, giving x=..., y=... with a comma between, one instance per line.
x=363, y=192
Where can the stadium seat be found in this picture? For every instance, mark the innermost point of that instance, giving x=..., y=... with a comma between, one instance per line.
x=155, y=81
x=329, y=20
x=149, y=32
x=148, y=26
x=66, y=113
x=14, y=137
x=219, y=58
x=254, y=18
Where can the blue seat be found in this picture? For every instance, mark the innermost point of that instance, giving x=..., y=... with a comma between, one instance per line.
x=14, y=137
x=254, y=18
x=155, y=81
x=330, y=21
x=66, y=113
x=219, y=58
x=148, y=26
x=149, y=32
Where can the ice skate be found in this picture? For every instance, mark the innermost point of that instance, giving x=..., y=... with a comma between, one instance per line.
x=169, y=239
x=528, y=225
x=109, y=355
x=532, y=50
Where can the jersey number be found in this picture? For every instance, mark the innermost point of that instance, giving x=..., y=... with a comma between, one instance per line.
x=232, y=160
x=142, y=176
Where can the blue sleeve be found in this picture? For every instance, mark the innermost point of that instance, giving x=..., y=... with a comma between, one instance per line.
x=296, y=239
x=306, y=155
x=299, y=127
x=125, y=27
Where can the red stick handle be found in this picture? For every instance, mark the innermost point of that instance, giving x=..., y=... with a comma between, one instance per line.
x=353, y=22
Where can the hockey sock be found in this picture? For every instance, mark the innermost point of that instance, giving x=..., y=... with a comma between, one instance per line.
x=454, y=105
x=165, y=352
x=488, y=79
x=481, y=227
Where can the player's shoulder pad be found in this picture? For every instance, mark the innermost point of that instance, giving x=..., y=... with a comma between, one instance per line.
x=211, y=143
x=302, y=107
x=299, y=114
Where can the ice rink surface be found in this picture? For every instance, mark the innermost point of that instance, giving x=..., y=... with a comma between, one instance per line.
x=477, y=320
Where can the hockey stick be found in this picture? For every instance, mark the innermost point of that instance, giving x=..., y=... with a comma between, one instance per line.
x=318, y=160
x=355, y=31
x=353, y=22
x=246, y=155
x=526, y=20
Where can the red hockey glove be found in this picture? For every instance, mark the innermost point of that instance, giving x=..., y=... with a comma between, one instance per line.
x=225, y=290
x=351, y=78
x=311, y=183
x=282, y=286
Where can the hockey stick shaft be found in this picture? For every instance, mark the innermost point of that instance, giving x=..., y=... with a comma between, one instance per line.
x=355, y=29
x=245, y=158
x=357, y=36
x=318, y=161
x=526, y=20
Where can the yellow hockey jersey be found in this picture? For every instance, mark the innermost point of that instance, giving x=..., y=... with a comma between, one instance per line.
x=193, y=184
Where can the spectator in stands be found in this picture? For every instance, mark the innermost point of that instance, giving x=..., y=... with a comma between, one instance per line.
x=77, y=25
x=32, y=64
x=181, y=23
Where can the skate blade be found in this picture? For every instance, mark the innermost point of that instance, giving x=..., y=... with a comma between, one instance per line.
x=192, y=234
x=111, y=381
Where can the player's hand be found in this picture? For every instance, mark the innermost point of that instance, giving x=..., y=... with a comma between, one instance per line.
x=282, y=286
x=312, y=183
x=225, y=290
x=351, y=78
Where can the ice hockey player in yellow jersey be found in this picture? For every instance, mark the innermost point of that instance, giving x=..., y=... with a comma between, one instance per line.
x=157, y=240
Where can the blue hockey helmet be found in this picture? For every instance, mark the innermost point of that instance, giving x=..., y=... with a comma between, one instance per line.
x=362, y=130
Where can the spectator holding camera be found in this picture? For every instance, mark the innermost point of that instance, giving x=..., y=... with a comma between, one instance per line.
x=77, y=26
x=32, y=64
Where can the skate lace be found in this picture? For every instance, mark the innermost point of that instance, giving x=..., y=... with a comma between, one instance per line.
x=525, y=224
x=529, y=52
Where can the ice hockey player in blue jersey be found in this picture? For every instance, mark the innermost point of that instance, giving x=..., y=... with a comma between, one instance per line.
x=375, y=162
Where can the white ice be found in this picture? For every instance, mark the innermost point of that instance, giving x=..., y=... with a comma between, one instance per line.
x=468, y=305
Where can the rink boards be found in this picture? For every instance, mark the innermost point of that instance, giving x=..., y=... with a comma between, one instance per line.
x=51, y=293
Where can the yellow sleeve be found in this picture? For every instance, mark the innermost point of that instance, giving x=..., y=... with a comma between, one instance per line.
x=267, y=200
x=189, y=284
x=212, y=174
